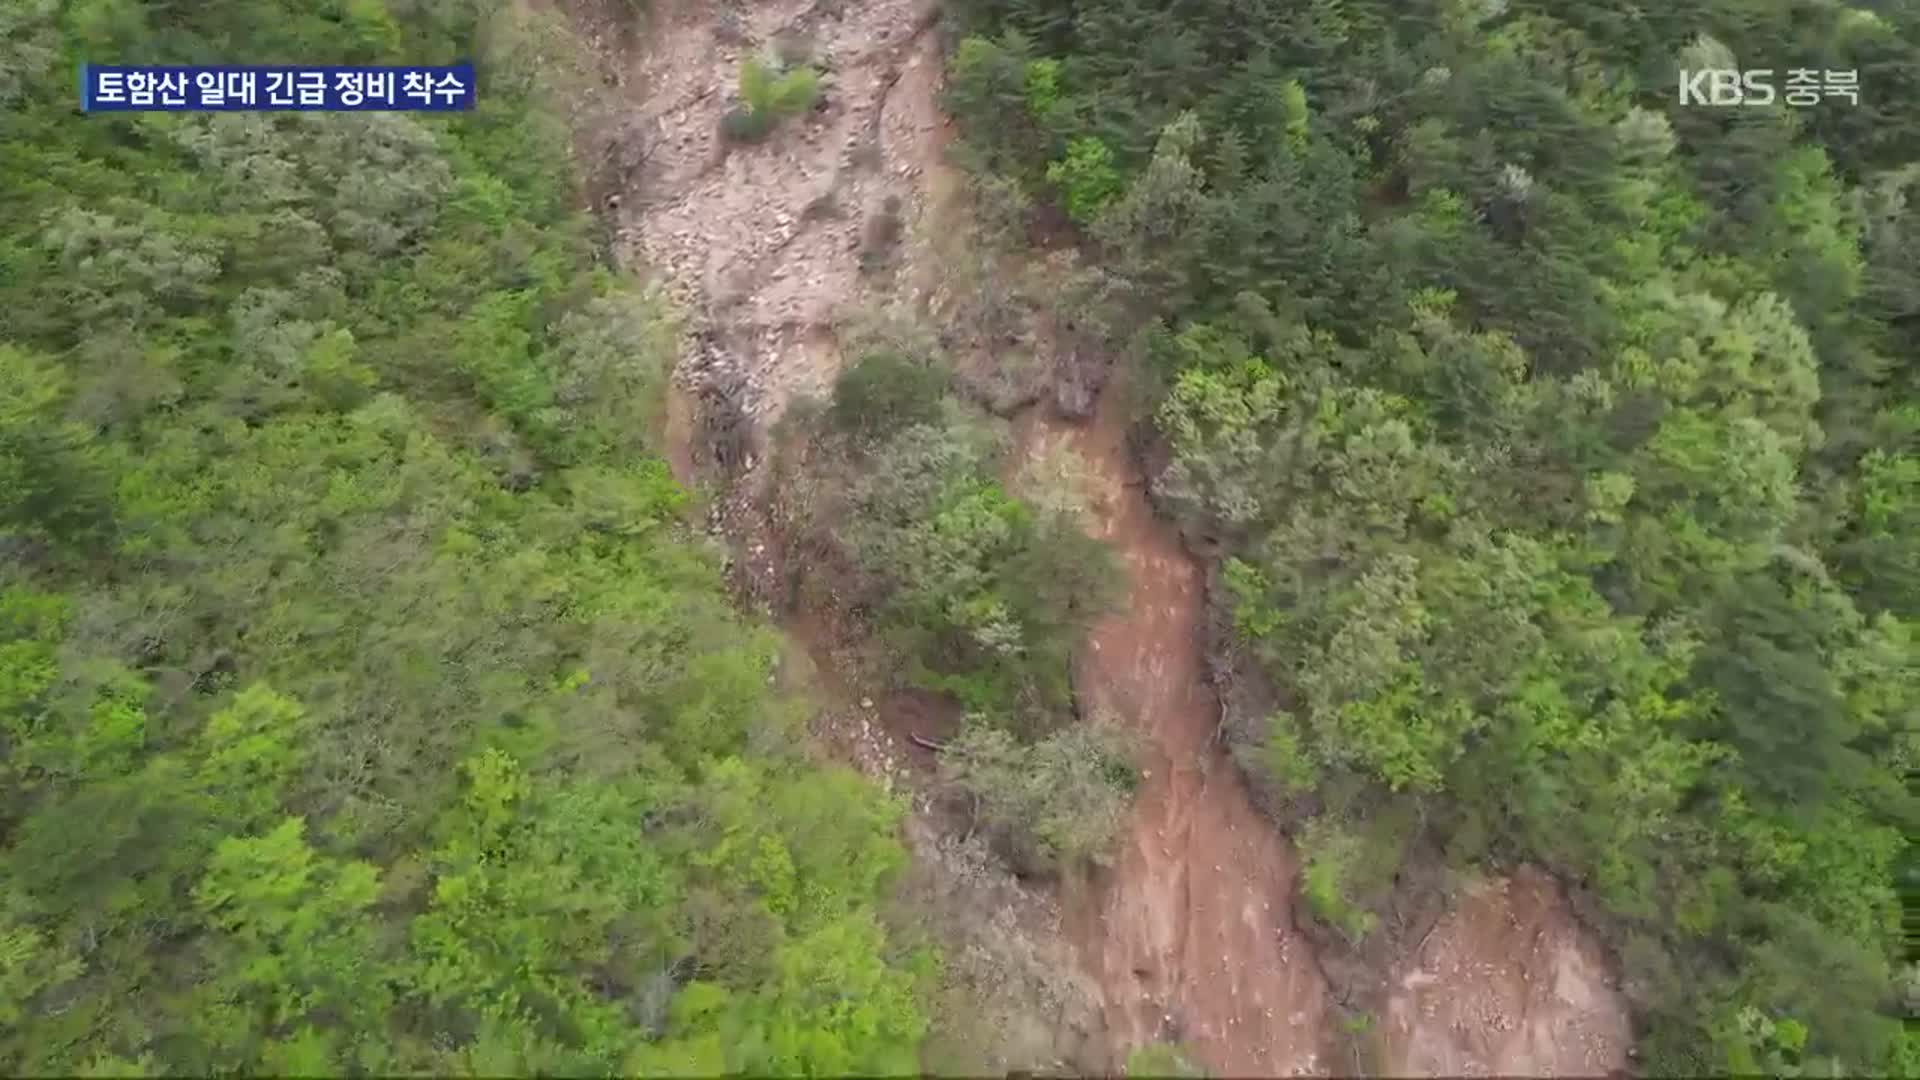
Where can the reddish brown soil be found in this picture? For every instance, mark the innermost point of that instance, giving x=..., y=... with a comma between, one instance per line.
x=1508, y=984
x=1189, y=935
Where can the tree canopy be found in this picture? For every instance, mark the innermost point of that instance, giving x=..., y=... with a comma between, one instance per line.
x=1558, y=438
x=366, y=704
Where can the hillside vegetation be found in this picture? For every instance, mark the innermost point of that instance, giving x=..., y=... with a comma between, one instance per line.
x=1560, y=444
x=365, y=704
x=899, y=523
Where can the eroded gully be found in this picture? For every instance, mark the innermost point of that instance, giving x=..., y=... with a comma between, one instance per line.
x=1188, y=935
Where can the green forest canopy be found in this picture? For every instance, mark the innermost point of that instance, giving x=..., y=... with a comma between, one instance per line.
x=364, y=704
x=1563, y=444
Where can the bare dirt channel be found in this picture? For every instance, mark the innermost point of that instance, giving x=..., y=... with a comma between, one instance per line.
x=1189, y=936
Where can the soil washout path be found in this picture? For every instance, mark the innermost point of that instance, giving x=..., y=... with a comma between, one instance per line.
x=1190, y=933
x=1506, y=985
x=760, y=244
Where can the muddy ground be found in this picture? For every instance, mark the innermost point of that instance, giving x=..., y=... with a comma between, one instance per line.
x=769, y=249
x=1508, y=984
x=1190, y=935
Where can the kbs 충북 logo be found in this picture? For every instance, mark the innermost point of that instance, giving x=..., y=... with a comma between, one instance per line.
x=1802, y=88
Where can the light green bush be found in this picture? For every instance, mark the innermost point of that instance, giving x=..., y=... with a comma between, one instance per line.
x=767, y=96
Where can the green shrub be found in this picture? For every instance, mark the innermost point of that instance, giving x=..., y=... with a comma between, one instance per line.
x=742, y=124
x=1064, y=797
x=796, y=91
x=768, y=96
x=1332, y=853
x=886, y=391
x=1043, y=87
x=1086, y=177
x=1285, y=759
x=1162, y=1060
